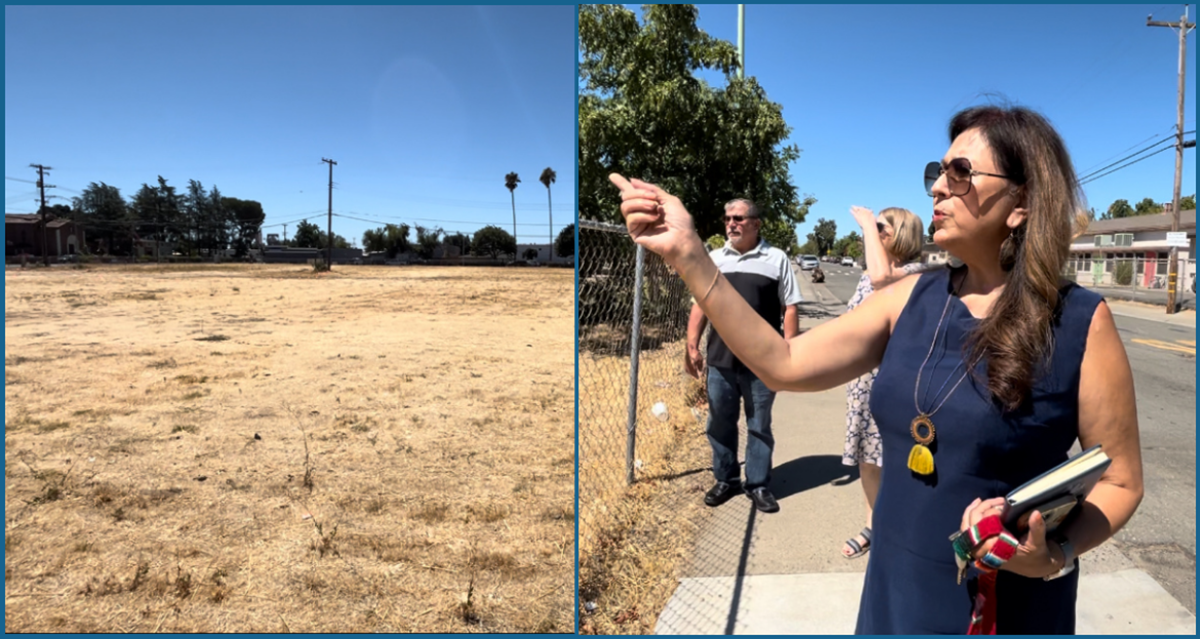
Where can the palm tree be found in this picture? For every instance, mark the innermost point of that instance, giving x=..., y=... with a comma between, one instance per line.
x=510, y=182
x=547, y=178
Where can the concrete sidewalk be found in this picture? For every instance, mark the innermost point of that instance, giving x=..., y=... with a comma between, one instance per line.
x=784, y=574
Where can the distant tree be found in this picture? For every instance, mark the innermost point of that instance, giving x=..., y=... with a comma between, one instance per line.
x=392, y=239
x=547, y=178
x=849, y=245
x=308, y=235
x=246, y=218
x=101, y=209
x=824, y=236
x=808, y=248
x=1187, y=203
x=1147, y=207
x=459, y=240
x=1119, y=209
x=781, y=234
x=564, y=245
x=510, y=182
x=714, y=242
x=493, y=241
x=530, y=254
x=428, y=240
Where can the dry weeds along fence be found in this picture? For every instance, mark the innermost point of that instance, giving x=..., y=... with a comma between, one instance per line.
x=266, y=449
x=636, y=440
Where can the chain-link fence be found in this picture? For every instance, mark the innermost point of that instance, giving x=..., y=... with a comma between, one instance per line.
x=1133, y=276
x=645, y=537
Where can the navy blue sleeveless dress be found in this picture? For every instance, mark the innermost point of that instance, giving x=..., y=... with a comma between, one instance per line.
x=979, y=451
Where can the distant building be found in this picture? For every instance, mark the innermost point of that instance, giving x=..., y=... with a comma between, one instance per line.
x=21, y=235
x=1141, y=238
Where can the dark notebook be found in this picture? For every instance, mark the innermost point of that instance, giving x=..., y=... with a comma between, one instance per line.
x=1056, y=492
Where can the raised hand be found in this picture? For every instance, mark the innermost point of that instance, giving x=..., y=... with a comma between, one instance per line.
x=864, y=216
x=657, y=220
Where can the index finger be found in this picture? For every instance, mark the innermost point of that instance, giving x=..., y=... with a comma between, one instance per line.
x=619, y=181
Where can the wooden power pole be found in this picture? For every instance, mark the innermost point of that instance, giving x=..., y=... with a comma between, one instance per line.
x=1173, y=266
x=42, y=224
x=329, y=226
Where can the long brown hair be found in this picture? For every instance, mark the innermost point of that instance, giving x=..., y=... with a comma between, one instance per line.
x=1016, y=337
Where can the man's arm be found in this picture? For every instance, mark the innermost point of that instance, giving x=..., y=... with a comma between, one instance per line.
x=791, y=321
x=694, y=359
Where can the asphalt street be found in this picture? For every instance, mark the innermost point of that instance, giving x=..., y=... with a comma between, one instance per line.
x=1161, y=538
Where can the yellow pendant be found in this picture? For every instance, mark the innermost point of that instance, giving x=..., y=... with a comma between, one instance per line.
x=920, y=460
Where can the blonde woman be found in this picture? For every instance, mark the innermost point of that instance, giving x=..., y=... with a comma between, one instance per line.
x=892, y=243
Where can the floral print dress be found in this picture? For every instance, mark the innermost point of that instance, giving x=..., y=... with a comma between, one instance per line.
x=862, y=435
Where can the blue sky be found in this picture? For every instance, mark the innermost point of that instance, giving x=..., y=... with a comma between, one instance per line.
x=425, y=109
x=869, y=90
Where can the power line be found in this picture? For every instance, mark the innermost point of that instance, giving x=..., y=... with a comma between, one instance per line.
x=1094, y=174
x=1097, y=177
x=428, y=219
x=1163, y=135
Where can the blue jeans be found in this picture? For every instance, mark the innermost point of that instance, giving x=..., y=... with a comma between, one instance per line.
x=728, y=390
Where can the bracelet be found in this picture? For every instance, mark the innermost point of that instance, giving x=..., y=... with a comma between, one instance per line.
x=711, y=286
x=1004, y=549
x=987, y=528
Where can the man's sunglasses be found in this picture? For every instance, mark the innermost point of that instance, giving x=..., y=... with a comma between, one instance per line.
x=958, y=173
x=738, y=218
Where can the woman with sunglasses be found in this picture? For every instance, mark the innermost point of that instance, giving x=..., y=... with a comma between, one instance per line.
x=994, y=369
x=892, y=248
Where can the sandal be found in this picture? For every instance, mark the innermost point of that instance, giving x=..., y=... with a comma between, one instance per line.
x=859, y=549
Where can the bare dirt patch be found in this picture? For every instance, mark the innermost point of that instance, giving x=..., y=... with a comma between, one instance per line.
x=262, y=449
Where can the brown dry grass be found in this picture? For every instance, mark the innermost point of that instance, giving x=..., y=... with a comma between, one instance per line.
x=261, y=449
x=635, y=540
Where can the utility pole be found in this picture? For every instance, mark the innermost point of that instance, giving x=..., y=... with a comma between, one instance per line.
x=329, y=227
x=741, y=41
x=42, y=187
x=1173, y=267
x=285, y=234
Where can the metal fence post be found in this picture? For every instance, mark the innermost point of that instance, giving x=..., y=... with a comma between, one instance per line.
x=634, y=352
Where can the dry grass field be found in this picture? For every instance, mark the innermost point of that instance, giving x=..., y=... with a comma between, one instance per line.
x=635, y=541
x=264, y=449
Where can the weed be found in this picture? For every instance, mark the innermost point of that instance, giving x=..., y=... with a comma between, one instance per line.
x=559, y=513
x=466, y=607
x=488, y=513
x=192, y=395
x=165, y=363
x=375, y=506
x=191, y=379
x=185, y=428
x=324, y=543
x=213, y=338
x=430, y=513
x=52, y=426
x=84, y=546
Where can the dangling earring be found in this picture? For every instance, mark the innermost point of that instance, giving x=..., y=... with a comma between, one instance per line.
x=1010, y=247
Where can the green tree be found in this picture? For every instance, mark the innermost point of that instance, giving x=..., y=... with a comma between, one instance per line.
x=308, y=235
x=1187, y=203
x=714, y=242
x=391, y=239
x=460, y=240
x=428, y=239
x=195, y=216
x=1118, y=209
x=824, y=236
x=781, y=234
x=101, y=209
x=808, y=247
x=493, y=241
x=547, y=178
x=1147, y=207
x=644, y=113
x=564, y=245
x=849, y=245
x=529, y=254
x=510, y=182
x=245, y=223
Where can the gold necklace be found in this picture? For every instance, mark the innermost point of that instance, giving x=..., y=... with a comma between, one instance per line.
x=920, y=458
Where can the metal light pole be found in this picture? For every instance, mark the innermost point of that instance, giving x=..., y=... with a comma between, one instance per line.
x=741, y=41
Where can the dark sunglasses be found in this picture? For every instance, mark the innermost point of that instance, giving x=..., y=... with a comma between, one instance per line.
x=958, y=173
x=881, y=227
x=738, y=218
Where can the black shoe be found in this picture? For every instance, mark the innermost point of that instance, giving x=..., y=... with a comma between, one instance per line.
x=721, y=493
x=763, y=499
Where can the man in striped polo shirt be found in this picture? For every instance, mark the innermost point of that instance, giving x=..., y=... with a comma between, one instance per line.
x=762, y=274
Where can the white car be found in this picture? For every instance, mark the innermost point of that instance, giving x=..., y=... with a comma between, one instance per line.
x=809, y=262
x=847, y=261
